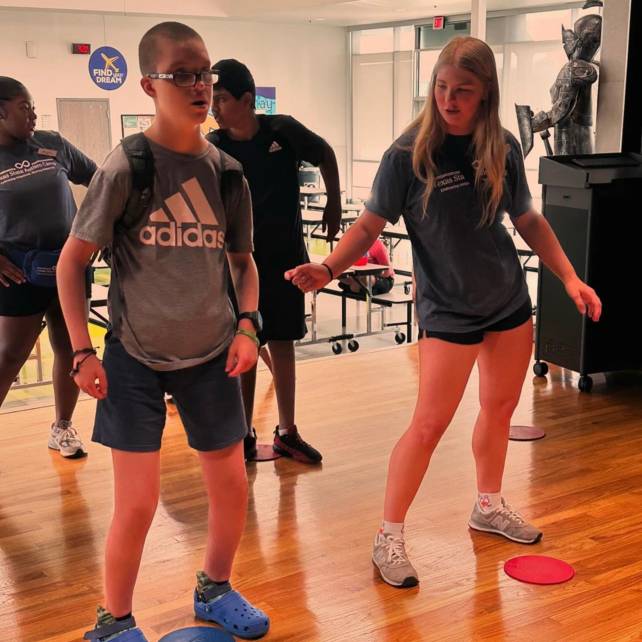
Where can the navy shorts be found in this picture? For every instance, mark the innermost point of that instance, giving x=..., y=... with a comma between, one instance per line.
x=514, y=320
x=132, y=417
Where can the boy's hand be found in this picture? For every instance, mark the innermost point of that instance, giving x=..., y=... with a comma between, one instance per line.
x=331, y=219
x=241, y=356
x=308, y=277
x=584, y=297
x=10, y=272
x=91, y=377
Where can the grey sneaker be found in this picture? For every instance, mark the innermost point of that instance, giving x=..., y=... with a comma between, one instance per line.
x=66, y=440
x=505, y=521
x=389, y=556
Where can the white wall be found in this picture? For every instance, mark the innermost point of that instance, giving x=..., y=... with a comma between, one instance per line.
x=307, y=64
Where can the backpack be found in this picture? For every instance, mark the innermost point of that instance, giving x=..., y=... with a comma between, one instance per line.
x=141, y=162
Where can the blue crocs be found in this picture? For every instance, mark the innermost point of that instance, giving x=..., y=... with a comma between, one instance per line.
x=119, y=631
x=233, y=612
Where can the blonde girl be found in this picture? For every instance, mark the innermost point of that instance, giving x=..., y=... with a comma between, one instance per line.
x=452, y=175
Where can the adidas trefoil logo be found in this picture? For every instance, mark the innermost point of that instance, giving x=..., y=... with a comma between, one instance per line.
x=191, y=224
x=274, y=147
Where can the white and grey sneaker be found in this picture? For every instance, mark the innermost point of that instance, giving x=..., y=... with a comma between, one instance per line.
x=65, y=439
x=504, y=521
x=389, y=556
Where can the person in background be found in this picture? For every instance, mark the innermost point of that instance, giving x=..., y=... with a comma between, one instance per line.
x=270, y=149
x=382, y=283
x=36, y=211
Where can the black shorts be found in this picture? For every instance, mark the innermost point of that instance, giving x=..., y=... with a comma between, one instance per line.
x=514, y=320
x=282, y=306
x=24, y=299
x=132, y=417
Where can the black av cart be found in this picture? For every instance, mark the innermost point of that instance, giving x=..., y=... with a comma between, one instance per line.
x=594, y=205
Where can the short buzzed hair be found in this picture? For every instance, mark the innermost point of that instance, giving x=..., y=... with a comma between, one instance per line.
x=148, y=47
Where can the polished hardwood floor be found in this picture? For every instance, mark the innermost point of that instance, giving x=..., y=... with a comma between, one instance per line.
x=305, y=556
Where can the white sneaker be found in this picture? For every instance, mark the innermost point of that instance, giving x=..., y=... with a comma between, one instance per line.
x=66, y=440
x=390, y=557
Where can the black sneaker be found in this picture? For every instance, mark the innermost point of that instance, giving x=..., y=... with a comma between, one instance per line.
x=249, y=445
x=291, y=445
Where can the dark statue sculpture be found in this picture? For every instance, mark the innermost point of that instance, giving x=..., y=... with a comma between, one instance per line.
x=571, y=112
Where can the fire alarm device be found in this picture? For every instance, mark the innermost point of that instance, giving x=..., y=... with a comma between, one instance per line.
x=438, y=22
x=81, y=48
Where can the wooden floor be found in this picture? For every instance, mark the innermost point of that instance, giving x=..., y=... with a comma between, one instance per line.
x=305, y=556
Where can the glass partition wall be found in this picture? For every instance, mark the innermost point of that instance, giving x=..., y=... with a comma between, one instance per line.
x=392, y=66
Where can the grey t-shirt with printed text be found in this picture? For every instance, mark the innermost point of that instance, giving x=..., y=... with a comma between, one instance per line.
x=168, y=300
x=467, y=276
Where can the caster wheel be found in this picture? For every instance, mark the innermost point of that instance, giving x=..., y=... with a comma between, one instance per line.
x=400, y=337
x=353, y=345
x=540, y=369
x=585, y=383
x=336, y=348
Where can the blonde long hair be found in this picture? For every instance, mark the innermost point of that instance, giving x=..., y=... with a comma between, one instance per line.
x=489, y=140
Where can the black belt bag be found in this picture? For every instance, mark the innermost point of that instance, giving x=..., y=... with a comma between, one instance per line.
x=39, y=266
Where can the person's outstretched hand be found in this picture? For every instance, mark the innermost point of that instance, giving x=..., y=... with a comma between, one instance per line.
x=308, y=277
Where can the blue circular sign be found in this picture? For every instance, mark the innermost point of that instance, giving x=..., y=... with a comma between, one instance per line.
x=108, y=68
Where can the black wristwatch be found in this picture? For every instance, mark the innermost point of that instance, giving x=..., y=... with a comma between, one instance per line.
x=255, y=318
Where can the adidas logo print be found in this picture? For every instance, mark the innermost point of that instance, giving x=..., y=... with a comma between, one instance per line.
x=274, y=147
x=190, y=221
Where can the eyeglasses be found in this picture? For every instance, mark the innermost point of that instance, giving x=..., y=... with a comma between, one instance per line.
x=187, y=78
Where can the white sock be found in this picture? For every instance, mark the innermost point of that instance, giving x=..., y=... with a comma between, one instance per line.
x=488, y=502
x=392, y=528
x=283, y=431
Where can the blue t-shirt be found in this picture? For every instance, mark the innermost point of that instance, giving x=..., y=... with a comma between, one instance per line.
x=467, y=276
x=36, y=202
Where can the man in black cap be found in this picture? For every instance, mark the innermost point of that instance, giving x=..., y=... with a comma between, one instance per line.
x=270, y=149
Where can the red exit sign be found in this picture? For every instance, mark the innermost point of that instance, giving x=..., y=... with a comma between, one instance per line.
x=438, y=22
x=81, y=48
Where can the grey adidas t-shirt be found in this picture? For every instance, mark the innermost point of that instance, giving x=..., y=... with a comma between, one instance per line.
x=168, y=300
x=36, y=202
x=467, y=276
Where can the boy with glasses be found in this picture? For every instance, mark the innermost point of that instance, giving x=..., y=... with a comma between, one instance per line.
x=173, y=330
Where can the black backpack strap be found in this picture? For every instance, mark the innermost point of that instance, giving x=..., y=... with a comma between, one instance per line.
x=141, y=161
x=231, y=180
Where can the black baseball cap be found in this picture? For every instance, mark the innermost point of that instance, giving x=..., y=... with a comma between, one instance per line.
x=234, y=76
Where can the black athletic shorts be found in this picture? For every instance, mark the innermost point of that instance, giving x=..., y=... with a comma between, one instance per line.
x=24, y=299
x=470, y=338
x=281, y=304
